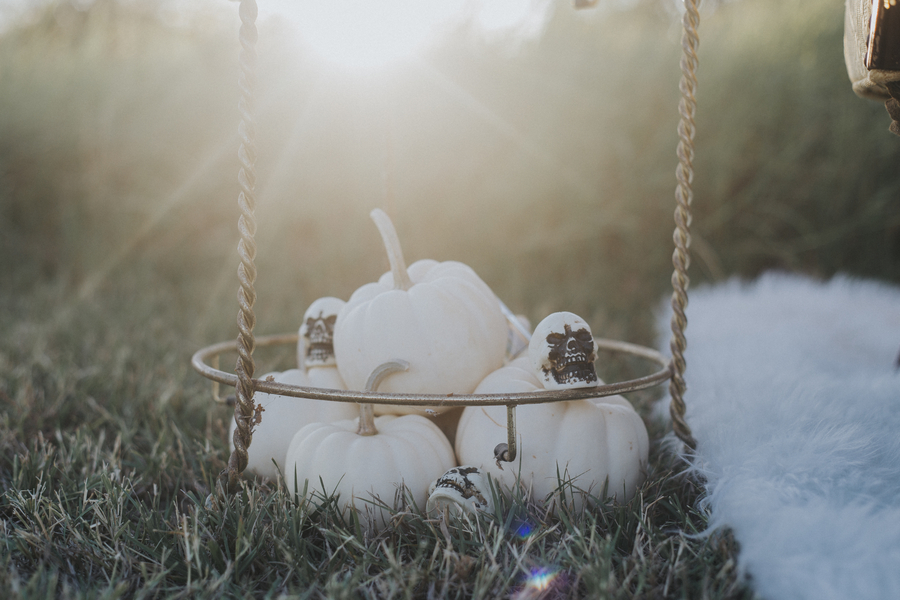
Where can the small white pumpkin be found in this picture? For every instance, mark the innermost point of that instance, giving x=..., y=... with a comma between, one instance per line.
x=562, y=352
x=369, y=458
x=464, y=490
x=282, y=417
x=595, y=443
x=439, y=317
x=315, y=344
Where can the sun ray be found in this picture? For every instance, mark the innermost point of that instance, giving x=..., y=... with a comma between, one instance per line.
x=279, y=177
x=218, y=151
x=573, y=180
x=213, y=158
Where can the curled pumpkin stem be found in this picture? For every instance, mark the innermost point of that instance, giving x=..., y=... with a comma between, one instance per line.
x=393, y=249
x=507, y=452
x=367, y=409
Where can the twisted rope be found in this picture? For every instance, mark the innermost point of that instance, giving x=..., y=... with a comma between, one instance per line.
x=681, y=258
x=245, y=413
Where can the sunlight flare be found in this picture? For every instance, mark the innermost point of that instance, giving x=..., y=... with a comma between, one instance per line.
x=362, y=35
x=541, y=579
x=359, y=35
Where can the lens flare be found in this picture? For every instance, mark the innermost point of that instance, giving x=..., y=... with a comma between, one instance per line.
x=524, y=530
x=541, y=579
x=361, y=35
x=364, y=35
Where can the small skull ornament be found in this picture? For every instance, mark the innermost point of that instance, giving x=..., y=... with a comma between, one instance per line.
x=463, y=489
x=316, y=344
x=562, y=352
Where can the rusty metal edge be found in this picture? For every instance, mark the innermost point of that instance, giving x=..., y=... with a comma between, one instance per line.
x=200, y=358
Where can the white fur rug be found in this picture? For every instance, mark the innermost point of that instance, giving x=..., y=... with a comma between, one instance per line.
x=794, y=399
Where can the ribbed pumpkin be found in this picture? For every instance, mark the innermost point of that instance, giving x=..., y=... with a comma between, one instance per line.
x=440, y=317
x=369, y=458
x=595, y=443
x=408, y=450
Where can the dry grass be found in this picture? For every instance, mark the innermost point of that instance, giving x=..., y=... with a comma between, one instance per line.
x=550, y=171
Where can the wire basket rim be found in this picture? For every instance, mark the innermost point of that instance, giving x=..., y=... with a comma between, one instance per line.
x=200, y=358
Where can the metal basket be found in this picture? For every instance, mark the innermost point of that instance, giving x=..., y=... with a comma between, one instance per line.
x=245, y=385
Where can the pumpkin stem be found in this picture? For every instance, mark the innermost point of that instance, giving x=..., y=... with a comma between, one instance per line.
x=367, y=410
x=507, y=452
x=392, y=246
x=366, y=420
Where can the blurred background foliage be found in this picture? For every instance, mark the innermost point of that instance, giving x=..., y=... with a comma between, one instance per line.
x=546, y=164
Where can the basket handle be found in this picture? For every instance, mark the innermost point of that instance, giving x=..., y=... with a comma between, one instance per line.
x=245, y=410
x=681, y=258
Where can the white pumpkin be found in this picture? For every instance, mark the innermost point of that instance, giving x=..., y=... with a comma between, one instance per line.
x=315, y=344
x=440, y=317
x=595, y=443
x=464, y=490
x=282, y=417
x=408, y=450
x=369, y=458
x=562, y=352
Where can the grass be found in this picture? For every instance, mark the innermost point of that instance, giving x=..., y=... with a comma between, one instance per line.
x=105, y=473
x=549, y=170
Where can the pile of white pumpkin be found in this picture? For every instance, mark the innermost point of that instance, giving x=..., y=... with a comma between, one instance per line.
x=437, y=328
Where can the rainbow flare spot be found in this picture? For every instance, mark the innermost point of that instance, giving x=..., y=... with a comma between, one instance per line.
x=541, y=579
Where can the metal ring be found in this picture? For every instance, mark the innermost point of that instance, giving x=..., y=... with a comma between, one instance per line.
x=200, y=358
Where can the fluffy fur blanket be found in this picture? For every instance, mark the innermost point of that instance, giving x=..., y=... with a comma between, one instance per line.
x=794, y=399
